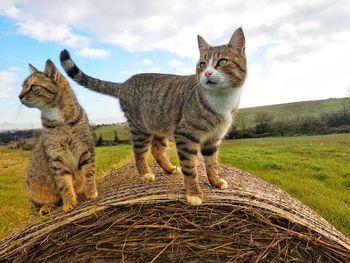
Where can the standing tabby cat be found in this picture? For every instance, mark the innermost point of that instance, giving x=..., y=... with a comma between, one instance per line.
x=63, y=161
x=194, y=110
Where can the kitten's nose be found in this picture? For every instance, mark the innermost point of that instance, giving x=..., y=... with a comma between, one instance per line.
x=208, y=73
x=21, y=96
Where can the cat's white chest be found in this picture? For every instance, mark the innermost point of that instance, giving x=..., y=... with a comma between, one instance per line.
x=52, y=114
x=224, y=102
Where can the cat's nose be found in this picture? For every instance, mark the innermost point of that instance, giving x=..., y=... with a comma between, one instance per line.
x=208, y=73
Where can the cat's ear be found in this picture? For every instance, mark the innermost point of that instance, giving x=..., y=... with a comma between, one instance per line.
x=202, y=44
x=32, y=68
x=51, y=71
x=237, y=40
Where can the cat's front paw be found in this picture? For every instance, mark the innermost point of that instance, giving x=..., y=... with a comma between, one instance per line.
x=148, y=177
x=69, y=206
x=194, y=199
x=45, y=209
x=91, y=195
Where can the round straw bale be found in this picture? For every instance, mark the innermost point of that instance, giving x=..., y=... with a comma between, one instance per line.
x=252, y=221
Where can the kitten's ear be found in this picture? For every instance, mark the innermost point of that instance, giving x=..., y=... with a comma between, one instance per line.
x=202, y=44
x=237, y=40
x=51, y=71
x=32, y=68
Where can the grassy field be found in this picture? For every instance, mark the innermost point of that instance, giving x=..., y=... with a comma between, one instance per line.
x=314, y=169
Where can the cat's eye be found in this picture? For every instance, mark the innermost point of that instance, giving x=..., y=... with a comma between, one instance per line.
x=202, y=65
x=33, y=87
x=222, y=62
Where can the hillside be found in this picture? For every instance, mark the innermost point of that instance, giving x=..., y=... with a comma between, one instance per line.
x=290, y=111
x=246, y=120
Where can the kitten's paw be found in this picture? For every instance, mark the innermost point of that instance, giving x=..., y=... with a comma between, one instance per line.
x=148, y=177
x=91, y=195
x=45, y=209
x=223, y=184
x=194, y=199
x=176, y=170
x=69, y=206
x=219, y=183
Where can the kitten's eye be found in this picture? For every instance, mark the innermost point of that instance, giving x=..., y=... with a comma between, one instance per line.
x=202, y=65
x=222, y=62
x=33, y=87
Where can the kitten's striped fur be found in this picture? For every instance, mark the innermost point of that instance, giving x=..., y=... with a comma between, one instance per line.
x=195, y=111
x=63, y=161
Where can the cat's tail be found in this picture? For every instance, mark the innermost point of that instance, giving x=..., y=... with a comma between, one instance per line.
x=101, y=86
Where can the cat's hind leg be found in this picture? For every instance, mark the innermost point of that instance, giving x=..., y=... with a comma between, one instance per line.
x=210, y=156
x=42, y=196
x=159, y=145
x=141, y=141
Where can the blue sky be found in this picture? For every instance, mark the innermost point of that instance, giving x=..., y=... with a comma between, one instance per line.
x=297, y=50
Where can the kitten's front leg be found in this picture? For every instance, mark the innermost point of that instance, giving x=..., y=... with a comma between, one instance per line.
x=87, y=169
x=210, y=155
x=64, y=181
x=187, y=148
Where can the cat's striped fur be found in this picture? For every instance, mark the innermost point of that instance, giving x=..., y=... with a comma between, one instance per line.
x=195, y=111
x=63, y=161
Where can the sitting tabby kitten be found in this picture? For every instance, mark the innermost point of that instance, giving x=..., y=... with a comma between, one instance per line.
x=63, y=161
x=194, y=110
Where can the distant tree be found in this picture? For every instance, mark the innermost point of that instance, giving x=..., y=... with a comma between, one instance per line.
x=263, y=122
x=36, y=135
x=346, y=106
x=99, y=141
x=116, y=138
x=310, y=125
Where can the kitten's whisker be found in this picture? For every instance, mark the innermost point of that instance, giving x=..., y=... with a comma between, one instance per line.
x=19, y=112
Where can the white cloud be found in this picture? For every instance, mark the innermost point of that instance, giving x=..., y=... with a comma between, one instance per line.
x=147, y=62
x=296, y=49
x=92, y=53
x=319, y=75
x=142, y=26
x=175, y=63
x=9, y=80
x=181, y=68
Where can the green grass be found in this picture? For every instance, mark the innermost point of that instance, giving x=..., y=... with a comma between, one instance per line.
x=314, y=169
x=14, y=205
x=109, y=158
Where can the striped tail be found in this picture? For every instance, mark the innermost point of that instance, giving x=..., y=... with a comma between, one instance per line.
x=101, y=86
